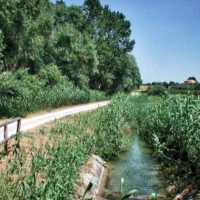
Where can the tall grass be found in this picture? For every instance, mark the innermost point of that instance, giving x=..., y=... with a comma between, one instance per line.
x=173, y=128
x=171, y=125
x=48, y=168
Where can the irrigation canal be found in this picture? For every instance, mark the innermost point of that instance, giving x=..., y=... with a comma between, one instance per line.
x=138, y=168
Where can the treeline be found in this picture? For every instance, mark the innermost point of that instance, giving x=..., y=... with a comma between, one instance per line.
x=162, y=88
x=87, y=45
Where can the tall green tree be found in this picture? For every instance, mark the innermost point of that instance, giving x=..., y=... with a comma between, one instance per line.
x=88, y=44
x=76, y=16
x=110, y=32
x=1, y=49
x=24, y=28
x=75, y=52
x=132, y=77
x=73, y=15
x=75, y=55
x=11, y=26
x=36, y=47
x=38, y=27
x=60, y=13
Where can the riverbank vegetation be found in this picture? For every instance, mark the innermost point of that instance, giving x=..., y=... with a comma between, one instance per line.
x=171, y=125
x=45, y=163
x=54, y=50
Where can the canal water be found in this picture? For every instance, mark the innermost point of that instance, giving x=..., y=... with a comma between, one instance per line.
x=138, y=168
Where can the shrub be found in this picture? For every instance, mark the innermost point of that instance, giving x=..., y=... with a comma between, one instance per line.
x=156, y=90
x=22, y=93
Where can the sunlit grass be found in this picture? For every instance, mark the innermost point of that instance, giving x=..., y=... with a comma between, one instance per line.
x=46, y=164
x=172, y=127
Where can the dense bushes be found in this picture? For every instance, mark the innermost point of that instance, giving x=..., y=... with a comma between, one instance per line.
x=121, y=117
x=161, y=89
x=184, y=92
x=22, y=93
x=156, y=90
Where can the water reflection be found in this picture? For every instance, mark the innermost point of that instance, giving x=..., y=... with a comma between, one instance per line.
x=138, y=168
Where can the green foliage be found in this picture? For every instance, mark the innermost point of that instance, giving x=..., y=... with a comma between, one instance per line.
x=123, y=195
x=20, y=95
x=23, y=46
x=110, y=31
x=131, y=76
x=88, y=43
x=184, y=92
x=51, y=75
x=158, y=90
x=75, y=54
x=110, y=127
x=1, y=48
x=154, y=196
x=172, y=128
x=184, y=89
x=19, y=83
x=54, y=167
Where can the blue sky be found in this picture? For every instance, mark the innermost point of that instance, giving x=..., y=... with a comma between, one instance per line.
x=167, y=35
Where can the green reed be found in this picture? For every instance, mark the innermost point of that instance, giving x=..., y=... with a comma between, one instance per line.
x=53, y=169
x=173, y=128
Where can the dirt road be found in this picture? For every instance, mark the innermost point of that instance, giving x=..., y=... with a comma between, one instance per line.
x=38, y=120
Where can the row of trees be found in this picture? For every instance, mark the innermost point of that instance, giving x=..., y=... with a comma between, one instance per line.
x=172, y=83
x=89, y=44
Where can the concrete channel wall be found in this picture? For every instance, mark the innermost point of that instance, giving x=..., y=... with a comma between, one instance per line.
x=92, y=171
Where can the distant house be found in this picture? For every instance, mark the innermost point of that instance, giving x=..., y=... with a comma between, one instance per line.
x=190, y=80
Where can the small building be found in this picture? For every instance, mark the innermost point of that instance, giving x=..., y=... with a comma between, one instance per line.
x=190, y=81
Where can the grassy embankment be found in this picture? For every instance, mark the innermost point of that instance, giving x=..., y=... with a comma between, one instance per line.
x=45, y=164
x=172, y=126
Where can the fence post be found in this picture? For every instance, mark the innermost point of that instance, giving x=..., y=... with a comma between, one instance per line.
x=6, y=137
x=18, y=125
